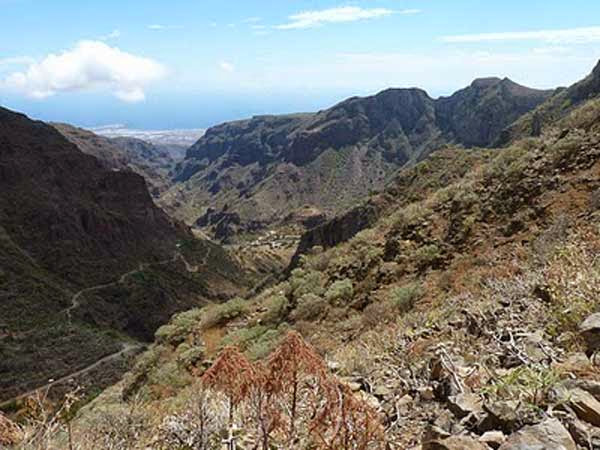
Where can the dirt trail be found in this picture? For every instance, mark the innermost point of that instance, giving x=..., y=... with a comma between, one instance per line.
x=127, y=347
x=75, y=303
x=75, y=300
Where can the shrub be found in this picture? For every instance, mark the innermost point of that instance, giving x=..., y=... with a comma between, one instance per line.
x=403, y=298
x=169, y=334
x=340, y=291
x=181, y=326
x=188, y=356
x=309, y=307
x=276, y=306
x=219, y=314
x=306, y=282
x=426, y=256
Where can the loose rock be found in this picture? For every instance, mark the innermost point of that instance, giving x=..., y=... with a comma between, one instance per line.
x=455, y=443
x=493, y=439
x=590, y=330
x=548, y=435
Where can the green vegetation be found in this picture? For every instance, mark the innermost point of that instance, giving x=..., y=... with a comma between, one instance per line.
x=403, y=298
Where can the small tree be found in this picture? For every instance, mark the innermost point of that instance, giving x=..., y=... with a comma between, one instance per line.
x=289, y=365
x=233, y=375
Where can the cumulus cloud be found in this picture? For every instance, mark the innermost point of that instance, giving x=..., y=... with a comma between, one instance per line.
x=563, y=36
x=226, y=66
x=16, y=60
x=89, y=65
x=311, y=19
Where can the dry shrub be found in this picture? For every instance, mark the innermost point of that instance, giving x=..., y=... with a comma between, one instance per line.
x=292, y=401
x=10, y=432
x=233, y=375
x=44, y=419
x=198, y=425
x=347, y=422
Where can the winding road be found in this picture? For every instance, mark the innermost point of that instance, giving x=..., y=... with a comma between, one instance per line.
x=126, y=346
x=75, y=299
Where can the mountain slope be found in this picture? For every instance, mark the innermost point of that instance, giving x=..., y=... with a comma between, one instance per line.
x=557, y=107
x=256, y=172
x=87, y=260
x=456, y=307
x=155, y=163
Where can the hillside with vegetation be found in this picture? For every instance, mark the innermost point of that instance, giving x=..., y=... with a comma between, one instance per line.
x=156, y=163
x=248, y=176
x=458, y=309
x=89, y=266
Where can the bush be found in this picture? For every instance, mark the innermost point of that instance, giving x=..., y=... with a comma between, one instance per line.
x=403, y=298
x=219, y=314
x=276, y=308
x=340, y=291
x=309, y=307
x=426, y=256
x=188, y=356
x=306, y=282
x=169, y=334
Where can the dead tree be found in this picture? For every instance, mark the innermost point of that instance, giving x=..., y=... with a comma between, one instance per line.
x=292, y=362
x=233, y=375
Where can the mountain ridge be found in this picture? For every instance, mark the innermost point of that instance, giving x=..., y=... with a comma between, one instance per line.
x=257, y=170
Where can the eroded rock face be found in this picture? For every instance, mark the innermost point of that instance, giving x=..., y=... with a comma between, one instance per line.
x=548, y=435
x=70, y=212
x=264, y=166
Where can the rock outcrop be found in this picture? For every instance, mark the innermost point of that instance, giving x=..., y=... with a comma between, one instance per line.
x=264, y=167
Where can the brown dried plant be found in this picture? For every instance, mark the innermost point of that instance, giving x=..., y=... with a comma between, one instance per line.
x=10, y=432
x=345, y=421
x=233, y=375
x=263, y=407
x=289, y=365
x=292, y=398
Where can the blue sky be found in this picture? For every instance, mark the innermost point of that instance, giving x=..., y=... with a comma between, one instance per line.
x=192, y=63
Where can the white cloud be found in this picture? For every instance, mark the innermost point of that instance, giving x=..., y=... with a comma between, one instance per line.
x=159, y=27
x=563, y=36
x=311, y=19
x=89, y=65
x=226, y=66
x=366, y=73
x=251, y=20
x=407, y=12
x=115, y=34
x=16, y=61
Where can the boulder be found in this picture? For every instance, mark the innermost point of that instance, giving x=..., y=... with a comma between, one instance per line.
x=586, y=407
x=591, y=386
x=493, y=439
x=455, y=443
x=548, y=435
x=464, y=404
x=590, y=330
x=502, y=415
x=586, y=436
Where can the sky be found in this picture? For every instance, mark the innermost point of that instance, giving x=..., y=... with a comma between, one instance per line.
x=157, y=64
